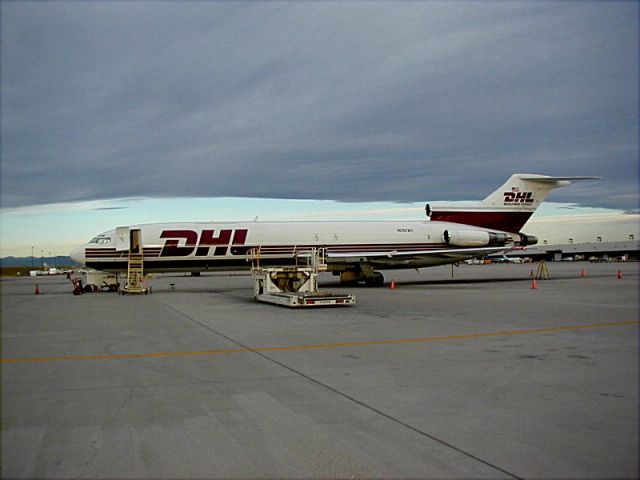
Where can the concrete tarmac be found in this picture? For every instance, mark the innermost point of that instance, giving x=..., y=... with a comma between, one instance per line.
x=475, y=376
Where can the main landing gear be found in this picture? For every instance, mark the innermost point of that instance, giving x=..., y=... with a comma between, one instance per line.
x=376, y=280
x=370, y=277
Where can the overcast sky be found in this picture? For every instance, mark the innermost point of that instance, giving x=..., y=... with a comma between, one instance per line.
x=350, y=101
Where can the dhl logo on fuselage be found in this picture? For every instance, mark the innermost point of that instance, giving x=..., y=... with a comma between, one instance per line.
x=517, y=197
x=189, y=238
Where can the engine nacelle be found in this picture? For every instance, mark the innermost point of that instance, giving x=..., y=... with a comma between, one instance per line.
x=526, y=240
x=474, y=238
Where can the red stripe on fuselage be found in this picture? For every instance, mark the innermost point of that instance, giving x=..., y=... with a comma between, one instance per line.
x=504, y=221
x=284, y=250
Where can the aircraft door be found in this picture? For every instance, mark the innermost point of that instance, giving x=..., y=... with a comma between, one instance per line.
x=122, y=239
x=135, y=240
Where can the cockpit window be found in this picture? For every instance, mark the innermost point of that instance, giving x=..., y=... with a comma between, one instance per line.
x=101, y=240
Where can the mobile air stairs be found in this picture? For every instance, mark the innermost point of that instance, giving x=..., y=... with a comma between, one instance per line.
x=136, y=279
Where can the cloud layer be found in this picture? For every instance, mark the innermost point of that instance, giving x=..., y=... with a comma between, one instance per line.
x=393, y=101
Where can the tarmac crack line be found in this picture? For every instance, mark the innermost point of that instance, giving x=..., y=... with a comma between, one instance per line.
x=96, y=450
x=390, y=417
x=347, y=396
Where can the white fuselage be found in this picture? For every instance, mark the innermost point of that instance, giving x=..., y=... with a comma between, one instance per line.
x=353, y=249
x=227, y=245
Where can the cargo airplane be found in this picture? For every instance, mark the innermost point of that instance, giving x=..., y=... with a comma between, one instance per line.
x=354, y=250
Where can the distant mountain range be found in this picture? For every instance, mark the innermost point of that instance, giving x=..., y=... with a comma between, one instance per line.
x=36, y=262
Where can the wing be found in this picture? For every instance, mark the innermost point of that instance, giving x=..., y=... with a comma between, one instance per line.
x=391, y=257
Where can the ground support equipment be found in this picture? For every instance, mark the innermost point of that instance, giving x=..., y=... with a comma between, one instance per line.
x=136, y=280
x=294, y=286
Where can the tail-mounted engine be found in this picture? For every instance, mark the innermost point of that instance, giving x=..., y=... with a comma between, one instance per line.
x=479, y=238
x=526, y=240
x=474, y=238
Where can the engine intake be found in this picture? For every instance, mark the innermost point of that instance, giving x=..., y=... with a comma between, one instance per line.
x=474, y=238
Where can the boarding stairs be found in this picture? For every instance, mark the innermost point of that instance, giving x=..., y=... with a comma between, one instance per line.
x=136, y=279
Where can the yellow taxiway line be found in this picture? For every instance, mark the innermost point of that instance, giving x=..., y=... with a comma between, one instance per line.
x=469, y=336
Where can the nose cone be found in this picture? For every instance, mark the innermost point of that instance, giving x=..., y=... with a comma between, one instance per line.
x=77, y=255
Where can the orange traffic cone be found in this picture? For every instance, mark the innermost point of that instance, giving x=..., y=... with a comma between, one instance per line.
x=37, y=290
x=583, y=273
x=619, y=274
x=393, y=285
x=534, y=284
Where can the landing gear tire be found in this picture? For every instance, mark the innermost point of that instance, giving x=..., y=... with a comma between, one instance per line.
x=374, y=281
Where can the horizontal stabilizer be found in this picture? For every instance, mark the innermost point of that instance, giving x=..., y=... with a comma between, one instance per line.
x=544, y=179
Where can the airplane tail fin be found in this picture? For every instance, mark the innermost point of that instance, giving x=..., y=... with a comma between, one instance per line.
x=506, y=209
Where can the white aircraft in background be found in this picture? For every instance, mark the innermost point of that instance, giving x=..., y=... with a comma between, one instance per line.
x=355, y=250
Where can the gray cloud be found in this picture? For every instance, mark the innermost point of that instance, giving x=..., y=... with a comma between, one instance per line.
x=347, y=101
